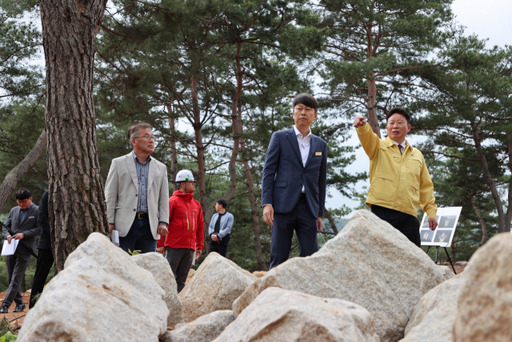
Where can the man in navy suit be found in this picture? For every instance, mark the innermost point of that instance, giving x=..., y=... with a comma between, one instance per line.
x=293, y=189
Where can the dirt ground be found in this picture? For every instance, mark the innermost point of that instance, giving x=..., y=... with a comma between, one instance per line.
x=459, y=266
x=15, y=319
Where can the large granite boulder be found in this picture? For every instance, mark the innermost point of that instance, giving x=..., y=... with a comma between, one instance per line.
x=101, y=295
x=435, y=313
x=284, y=315
x=159, y=267
x=215, y=286
x=204, y=329
x=484, y=302
x=369, y=263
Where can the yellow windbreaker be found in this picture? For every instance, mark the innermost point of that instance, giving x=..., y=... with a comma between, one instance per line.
x=397, y=181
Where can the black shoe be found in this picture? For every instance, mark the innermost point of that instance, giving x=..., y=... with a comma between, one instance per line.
x=20, y=307
x=4, y=309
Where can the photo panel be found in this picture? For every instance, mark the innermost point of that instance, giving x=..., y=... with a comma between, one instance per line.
x=447, y=219
x=443, y=236
x=424, y=222
x=426, y=235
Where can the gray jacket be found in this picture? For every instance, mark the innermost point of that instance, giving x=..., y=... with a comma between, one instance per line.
x=29, y=226
x=226, y=223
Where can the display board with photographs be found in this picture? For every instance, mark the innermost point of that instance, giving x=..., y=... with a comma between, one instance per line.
x=447, y=219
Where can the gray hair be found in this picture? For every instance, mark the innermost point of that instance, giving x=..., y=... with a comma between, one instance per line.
x=133, y=130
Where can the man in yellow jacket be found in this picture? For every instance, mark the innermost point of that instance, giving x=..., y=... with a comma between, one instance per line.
x=399, y=179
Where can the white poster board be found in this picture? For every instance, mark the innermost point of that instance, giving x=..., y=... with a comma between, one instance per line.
x=447, y=219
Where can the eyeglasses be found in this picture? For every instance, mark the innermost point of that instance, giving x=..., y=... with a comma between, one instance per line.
x=146, y=137
x=22, y=201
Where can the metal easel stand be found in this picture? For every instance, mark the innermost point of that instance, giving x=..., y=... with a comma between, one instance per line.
x=447, y=255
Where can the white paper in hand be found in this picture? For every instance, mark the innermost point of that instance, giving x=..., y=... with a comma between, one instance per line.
x=115, y=237
x=9, y=248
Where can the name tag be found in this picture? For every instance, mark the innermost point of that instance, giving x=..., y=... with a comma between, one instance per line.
x=318, y=153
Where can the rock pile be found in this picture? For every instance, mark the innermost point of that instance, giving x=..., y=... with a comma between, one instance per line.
x=369, y=283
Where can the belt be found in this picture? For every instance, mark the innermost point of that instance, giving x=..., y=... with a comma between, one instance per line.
x=141, y=216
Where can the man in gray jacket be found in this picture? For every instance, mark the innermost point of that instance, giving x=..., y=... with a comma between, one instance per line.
x=137, y=193
x=219, y=229
x=21, y=224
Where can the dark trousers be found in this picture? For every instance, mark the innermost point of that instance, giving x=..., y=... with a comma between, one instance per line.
x=220, y=247
x=303, y=223
x=180, y=260
x=43, y=267
x=139, y=238
x=405, y=223
x=16, y=265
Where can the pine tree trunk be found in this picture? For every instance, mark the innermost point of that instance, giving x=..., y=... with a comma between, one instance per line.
x=173, y=151
x=486, y=172
x=11, y=179
x=76, y=197
x=255, y=218
x=372, y=107
x=201, y=165
x=329, y=217
x=238, y=147
x=483, y=226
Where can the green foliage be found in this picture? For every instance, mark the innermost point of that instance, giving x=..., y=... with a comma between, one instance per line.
x=16, y=8
x=202, y=64
x=4, y=282
x=21, y=94
x=469, y=126
x=5, y=331
x=385, y=42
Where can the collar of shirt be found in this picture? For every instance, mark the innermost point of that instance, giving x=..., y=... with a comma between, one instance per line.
x=403, y=143
x=299, y=135
x=135, y=158
x=304, y=147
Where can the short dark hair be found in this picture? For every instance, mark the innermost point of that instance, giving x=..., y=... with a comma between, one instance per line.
x=23, y=194
x=223, y=203
x=132, y=131
x=306, y=100
x=401, y=111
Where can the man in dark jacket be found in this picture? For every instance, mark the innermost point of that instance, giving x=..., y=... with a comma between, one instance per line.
x=45, y=255
x=21, y=225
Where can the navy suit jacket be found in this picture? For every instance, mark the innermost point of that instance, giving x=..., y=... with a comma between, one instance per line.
x=284, y=175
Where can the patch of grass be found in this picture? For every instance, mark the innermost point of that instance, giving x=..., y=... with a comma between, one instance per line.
x=9, y=336
x=5, y=331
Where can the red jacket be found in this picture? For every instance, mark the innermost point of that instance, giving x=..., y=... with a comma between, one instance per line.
x=185, y=223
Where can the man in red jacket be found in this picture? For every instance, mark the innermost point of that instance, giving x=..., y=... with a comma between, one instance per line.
x=185, y=228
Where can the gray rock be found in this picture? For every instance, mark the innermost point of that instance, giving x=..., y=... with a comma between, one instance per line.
x=204, y=329
x=101, y=295
x=446, y=271
x=369, y=263
x=284, y=315
x=159, y=267
x=483, y=307
x=435, y=313
x=215, y=286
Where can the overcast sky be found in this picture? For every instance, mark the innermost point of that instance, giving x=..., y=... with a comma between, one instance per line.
x=489, y=19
